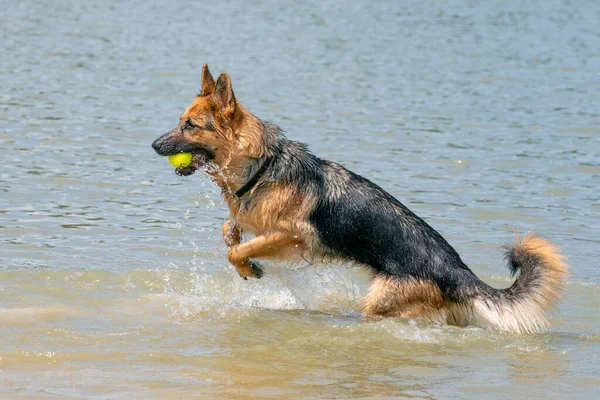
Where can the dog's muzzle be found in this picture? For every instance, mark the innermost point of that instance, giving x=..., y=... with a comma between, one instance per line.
x=172, y=143
x=166, y=144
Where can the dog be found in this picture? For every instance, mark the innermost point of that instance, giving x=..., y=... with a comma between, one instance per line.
x=299, y=206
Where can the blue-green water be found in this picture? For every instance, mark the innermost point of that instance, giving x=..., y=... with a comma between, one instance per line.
x=482, y=117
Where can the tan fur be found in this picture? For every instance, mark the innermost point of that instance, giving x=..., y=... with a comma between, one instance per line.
x=275, y=246
x=208, y=82
x=555, y=268
x=280, y=212
x=232, y=235
x=528, y=313
x=407, y=297
x=412, y=298
x=276, y=208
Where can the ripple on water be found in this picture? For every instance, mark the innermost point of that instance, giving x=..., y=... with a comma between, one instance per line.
x=480, y=119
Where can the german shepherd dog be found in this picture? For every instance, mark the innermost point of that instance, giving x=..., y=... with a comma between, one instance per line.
x=300, y=206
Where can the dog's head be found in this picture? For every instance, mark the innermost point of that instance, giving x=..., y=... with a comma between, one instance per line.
x=207, y=128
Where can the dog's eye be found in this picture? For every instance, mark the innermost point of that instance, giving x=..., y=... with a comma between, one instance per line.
x=188, y=125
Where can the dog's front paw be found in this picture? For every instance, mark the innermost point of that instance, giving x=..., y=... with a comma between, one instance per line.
x=257, y=269
x=252, y=269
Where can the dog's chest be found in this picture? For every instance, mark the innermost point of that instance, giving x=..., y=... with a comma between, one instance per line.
x=247, y=217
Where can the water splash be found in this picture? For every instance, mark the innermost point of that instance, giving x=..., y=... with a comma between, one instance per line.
x=222, y=293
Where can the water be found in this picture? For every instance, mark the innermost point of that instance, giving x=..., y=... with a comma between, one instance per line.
x=482, y=117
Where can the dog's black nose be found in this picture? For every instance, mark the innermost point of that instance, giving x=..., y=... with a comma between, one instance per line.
x=166, y=143
x=156, y=145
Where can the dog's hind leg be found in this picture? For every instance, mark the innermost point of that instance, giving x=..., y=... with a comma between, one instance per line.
x=276, y=245
x=407, y=297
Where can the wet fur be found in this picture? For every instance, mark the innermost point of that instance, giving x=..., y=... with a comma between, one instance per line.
x=307, y=207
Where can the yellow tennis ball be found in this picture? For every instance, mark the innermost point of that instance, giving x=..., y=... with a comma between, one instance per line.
x=180, y=160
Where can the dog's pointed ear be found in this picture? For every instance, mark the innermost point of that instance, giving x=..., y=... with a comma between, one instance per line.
x=223, y=91
x=208, y=82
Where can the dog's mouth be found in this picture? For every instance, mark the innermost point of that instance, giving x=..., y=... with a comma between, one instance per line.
x=199, y=161
x=169, y=144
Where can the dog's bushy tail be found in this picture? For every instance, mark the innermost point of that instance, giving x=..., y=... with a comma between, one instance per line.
x=522, y=307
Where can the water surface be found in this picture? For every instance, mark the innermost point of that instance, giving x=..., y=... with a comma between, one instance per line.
x=482, y=117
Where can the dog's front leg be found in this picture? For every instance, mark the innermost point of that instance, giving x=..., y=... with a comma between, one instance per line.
x=260, y=247
x=232, y=235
